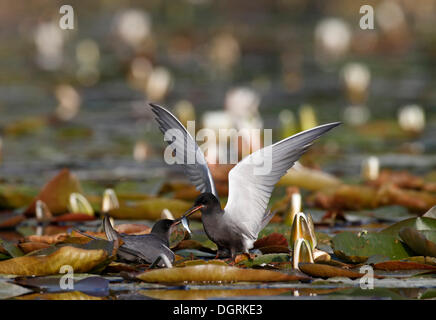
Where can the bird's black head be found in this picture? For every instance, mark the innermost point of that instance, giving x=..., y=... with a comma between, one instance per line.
x=162, y=228
x=206, y=200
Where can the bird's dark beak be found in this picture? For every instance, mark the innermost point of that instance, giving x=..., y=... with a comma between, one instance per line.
x=192, y=210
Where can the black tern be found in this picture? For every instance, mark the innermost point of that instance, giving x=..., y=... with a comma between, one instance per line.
x=146, y=248
x=236, y=227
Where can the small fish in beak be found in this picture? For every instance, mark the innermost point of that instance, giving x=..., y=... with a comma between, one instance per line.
x=185, y=224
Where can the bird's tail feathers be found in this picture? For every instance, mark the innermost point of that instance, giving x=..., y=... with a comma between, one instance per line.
x=111, y=233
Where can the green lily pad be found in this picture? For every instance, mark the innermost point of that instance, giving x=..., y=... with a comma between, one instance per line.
x=422, y=242
x=11, y=248
x=429, y=294
x=420, y=223
x=358, y=248
x=386, y=213
x=266, y=259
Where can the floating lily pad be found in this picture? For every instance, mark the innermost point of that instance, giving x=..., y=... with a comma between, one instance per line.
x=420, y=223
x=81, y=260
x=11, y=248
x=327, y=271
x=358, y=248
x=265, y=259
x=210, y=273
x=423, y=242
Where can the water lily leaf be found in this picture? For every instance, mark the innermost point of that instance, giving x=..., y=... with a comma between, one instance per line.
x=272, y=240
x=9, y=220
x=28, y=247
x=82, y=243
x=74, y=295
x=327, y=271
x=309, y=179
x=214, y=273
x=4, y=256
x=200, y=262
x=358, y=248
x=9, y=290
x=96, y=286
x=428, y=294
x=266, y=259
x=49, y=239
x=423, y=260
x=11, y=248
x=431, y=213
x=402, y=265
x=422, y=242
x=420, y=223
x=150, y=209
x=72, y=217
x=81, y=260
x=387, y=213
x=56, y=193
x=133, y=228
x=210, y=294
x=12, y=196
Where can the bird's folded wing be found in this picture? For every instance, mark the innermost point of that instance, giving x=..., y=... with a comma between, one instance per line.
x=252, y=180
x=191, y=156
x=146, y=247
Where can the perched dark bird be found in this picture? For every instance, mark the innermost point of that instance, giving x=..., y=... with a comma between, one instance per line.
x=236, y=227
x=144, y=248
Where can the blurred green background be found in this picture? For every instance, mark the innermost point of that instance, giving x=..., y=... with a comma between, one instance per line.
x=77, y=98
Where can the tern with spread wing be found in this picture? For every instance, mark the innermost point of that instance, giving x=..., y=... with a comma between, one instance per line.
x=236, y=227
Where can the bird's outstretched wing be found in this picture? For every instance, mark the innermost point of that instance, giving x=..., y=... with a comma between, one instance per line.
x=252, y=180
x=191, y=157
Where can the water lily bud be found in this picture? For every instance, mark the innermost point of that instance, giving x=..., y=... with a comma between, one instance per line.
x=166, y=214
x=242, y=103
x=307, y=117
x=224, y=51
x=332, y=40
x=356, y=77
x=412, y=118
x=294, y=208
x=140, y=151
x=69, y=101
x=49, y=41
x=300, y=229
x=312, y=233
x=302, y=252
x=42, y=211
x=158, y=84
x=133, y=26
x=370, y=168
x=110, y=201
x=79, y=204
